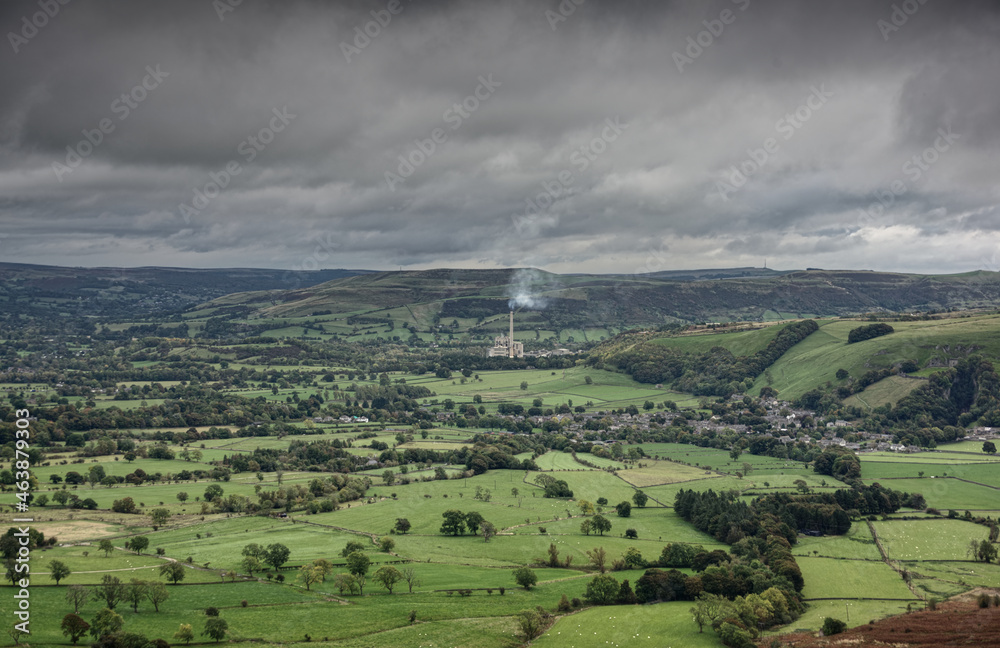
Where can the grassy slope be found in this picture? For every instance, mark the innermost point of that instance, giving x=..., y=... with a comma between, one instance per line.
x=740, y=343
x=815, y=360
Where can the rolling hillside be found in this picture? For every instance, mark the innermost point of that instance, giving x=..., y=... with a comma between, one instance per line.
x=931, y=345
x=633, y=300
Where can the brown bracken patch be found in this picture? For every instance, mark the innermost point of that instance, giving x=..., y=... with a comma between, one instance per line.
x=956, y=622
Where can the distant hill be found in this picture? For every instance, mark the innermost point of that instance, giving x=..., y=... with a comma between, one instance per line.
x=48, y=293
x=639, y=300
x=583, y=306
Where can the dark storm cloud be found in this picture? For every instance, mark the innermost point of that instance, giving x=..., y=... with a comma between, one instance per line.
x=599, y=136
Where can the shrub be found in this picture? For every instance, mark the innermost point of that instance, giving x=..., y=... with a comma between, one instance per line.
x=833, y=626
x=525, y=577
x=413, y=616
x=564, y=605
x=244, y=603
x=983, y=600
x=211, y=611
x=502, y=590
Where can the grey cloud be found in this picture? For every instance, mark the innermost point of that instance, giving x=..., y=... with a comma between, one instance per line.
x=323, y=177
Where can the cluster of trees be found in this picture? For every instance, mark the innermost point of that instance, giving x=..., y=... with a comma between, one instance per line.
x=838, y=462
x=598, y=524
x=868, y=332
x=456, y=522
x=255, y=556
x=965, y=395
x=553, y=487
x=762, y=531
x=728, y=518
x=739, y=621
x=107, y=630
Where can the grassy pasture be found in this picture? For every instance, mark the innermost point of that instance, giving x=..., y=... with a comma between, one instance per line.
x=928, y=539
x=854, y=613
x=664, y=625
x=949, y=493
x=954, y=577
x=482, y=632
x=740, y=343
x=833, y=578
x=887, y=391
x=554, y=460
x=660, y=472
x=856, y=544
x=656, y=527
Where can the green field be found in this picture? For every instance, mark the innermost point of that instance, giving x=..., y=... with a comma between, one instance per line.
x=928, y=539
x=856, y=544
x=887, y=391
x=947, y=493
x=839, y=578
x=740, y=343
x=666, y=625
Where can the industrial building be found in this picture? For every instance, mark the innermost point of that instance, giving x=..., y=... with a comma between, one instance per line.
x=505, y=345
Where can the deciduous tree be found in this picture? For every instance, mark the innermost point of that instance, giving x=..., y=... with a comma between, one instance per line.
x=74, y=627
x=173, y=572
x=58, y=571
x=277, y=555
x=488, y=530
x=106, y=546
x=157, y=593
x=185, y=633
x=135, y=592
x=111, y=591
x=216, y=628
x=106, y=622
x=77, y=595
x=603, y=589
x=387, y=576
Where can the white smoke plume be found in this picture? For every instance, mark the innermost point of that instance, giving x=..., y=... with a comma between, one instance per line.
x=526, y=286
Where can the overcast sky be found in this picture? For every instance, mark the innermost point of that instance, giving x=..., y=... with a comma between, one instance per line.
x=591, y=137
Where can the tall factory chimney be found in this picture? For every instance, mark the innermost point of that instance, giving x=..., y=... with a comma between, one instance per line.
x=511, y=345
